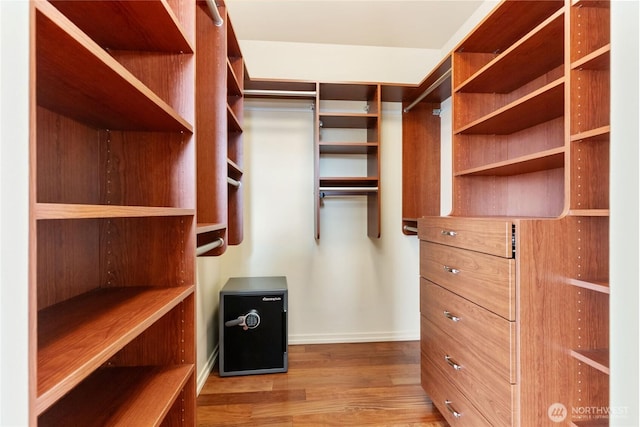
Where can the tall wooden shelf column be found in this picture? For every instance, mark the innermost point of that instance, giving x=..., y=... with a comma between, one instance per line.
x=112, y=213
x=363, y=139
x=421, y=146
x=219, y=116
x=531, y=141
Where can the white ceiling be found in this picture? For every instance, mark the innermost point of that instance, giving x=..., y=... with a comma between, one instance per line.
x=424, y=24
x=394, y=41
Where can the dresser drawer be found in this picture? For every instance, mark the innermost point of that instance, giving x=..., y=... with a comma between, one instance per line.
x=482, y=235
x=480, y=331
x=487, y=280
x=454, y=406
x=472, y=374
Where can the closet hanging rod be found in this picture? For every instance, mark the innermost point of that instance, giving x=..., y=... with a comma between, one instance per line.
x=281, y=93
x=209, y=246
x=410, y=229
x=234, y=182
x=213, y=8
x=430, y=89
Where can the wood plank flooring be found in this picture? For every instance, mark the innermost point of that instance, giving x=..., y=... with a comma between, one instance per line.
x=372, y=384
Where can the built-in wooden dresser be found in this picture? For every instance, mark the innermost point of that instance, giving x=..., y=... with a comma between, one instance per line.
x=468, y=318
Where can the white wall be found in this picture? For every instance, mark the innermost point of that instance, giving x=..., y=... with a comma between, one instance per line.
x=14, y=212
x=625, y=213
x=344, y=287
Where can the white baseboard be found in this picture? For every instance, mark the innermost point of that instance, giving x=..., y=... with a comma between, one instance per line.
x=206, y=370
x=354, y=337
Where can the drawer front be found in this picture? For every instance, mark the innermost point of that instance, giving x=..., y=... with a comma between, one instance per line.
x=481, y=235
x=488, y=336
x=491, y=395
x=487, y=280
x=453, y=405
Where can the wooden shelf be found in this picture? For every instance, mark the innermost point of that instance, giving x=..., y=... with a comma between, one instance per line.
x=348, y=147
x=604, y=422
x=149, y=25
x=536, y=54
x=233, y=123
x=78, y=211
x=598, y=359
x=233, y=170
x=348, y=121
x=538, y=107
x=348, y=181
x=599, y=134
x=591, y=3
x=76, y=336
x=546, y=160
x=203, y=228
x=77, y=78
x=589, y=212
x=117, y=396
x=597, y=60
x=233, y=85
x=597, y=286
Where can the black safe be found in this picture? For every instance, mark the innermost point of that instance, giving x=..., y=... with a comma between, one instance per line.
x=253, y=326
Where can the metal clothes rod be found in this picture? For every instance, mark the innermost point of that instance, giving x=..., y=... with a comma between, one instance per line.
x=430, y=89
x=410, y=229
x=217, y=19
x=233, y=182
x=291, y=93
x=209, y=246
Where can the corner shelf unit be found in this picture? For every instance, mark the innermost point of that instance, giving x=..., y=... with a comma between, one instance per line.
x=348, y=129
x=531, y=141
x=112, y=214
x=219, y=117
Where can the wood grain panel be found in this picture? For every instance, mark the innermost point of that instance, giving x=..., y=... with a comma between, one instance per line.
x=477, y=330
x=473, y=375
x=486, y=280
x=491, y=236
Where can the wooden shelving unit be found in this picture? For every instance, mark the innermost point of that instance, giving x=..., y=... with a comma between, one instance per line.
x=421, y=146
x=531, y=136
x=219, y=113
x=112, y=232
x=346, y=133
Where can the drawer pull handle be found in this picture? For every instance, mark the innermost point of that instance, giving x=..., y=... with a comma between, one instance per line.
x=450, y=269
x=452, y=363
x=448, y=233
x=451, y=317
x=455, y=413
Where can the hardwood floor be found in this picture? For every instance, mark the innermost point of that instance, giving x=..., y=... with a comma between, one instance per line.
x=373, y=384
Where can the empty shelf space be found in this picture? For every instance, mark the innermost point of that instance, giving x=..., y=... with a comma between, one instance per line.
x=597, y=60
x=348, y=121
x=534, y=55
x=594, y=285
x=77, y=78
x=233, y=170
x=598, y=358
x=540, y=106
x=233, y=123
x=77, y=336
x=148, y=25
x=545, y=160
x=77, y=211
x=117, y=396
x=233, y=84
x=348, y=147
